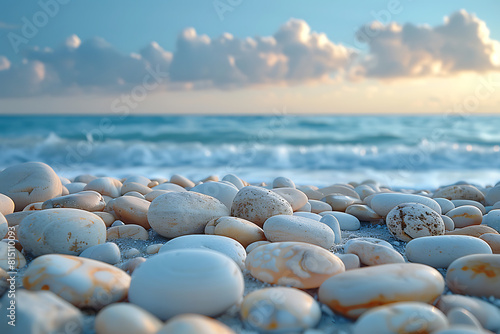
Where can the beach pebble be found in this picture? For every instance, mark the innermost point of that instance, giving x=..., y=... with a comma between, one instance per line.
x=363, y=213
x=29, y=182
x=129, y=231
x=117, y=223
x=16, y=218
x=106, y=217
x=187, y=281
x=295, y=264
x=155, y=193
x=182, y=181
x=445, y=204
x=306, y=208
x=170, y=187
x=403, y=317
x=194, y=324
x=474, y=230
x=413, y=220
x=221, y=244
x=319, y=206
x=131, y=253
x=257, y=204
x=142, y=180
x=134, y=194
x=340, y=202
x=132, y=210
x=346, y=221
x=487, y=314
x=462, y=317
x=440, y=251
x=130, y=265
x=135, y=187
x=85, y=200
x=10, y=258
x=279, y=310
x=220, y=190
x=460, y=191
x=80, y=281
x=372, y=254
x=342, y=189
x=75, y=187
x=233, y=179
x=493, y=240
x=241, y=230
x=40, y=312
x=6, y=205
x=492, y=219
x=364, y=191
x=356, y=291
x=153, y=249
x=334, y=224
x=62, y=231
x=462, y=202
x=105, y=186
x=351, y=261
x=465, y=216
x=4, y=226
x=295, y=197
x=179, y=213
x=256, y=244
x=283, y=182
x=383, y=203
x=475, y=275
x=292, y=228
x=493, y=195
x=84, y=178
x=4, y=284
x=126, y=318
x=34, y=206
x=449, y=225
x=107, y=252
x=311, y=192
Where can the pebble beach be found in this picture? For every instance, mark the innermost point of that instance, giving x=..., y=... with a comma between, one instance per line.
x=141, y=254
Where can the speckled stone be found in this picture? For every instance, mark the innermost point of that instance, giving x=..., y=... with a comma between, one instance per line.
x=413, y=220
x=462, y=191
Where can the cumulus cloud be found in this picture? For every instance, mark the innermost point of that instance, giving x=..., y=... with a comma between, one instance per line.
x=461, y=43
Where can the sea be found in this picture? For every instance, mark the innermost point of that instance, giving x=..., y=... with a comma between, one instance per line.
x=420, y=152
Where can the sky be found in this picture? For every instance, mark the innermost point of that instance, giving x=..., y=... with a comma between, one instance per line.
x=249, y=56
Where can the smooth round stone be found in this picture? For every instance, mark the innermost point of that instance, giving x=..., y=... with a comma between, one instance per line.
x=256, y=244
x=29, y=182
x=241, y=230
x=492, y=219
x=293, y=228
x=363, y=213
x=306, y=208
x=108, y=252
x=117, y=223
x=475, y=275
x=134, y=194
x=493, y=195
x=4, y=226
x=460, y=316
x=14, y=219
x=319, y=206
x=129, y=231
x=257, y=204
x=169, y=187
x=356, y=291
x=236, y=181
x=385, y=202
x=7, y=255
x=85, y=200
x=182, y=181
x=155, y=193
x=465, y=216
x=462, y=202
x=311, y=192
x=440, y=251
x=340, y=202
x=132, y=264
x=340, y=189
x=473, y=230
x=6, y=205
x=191, y=280
x=462, y=191
x=347, y=222
x=404, y=317
x=220, y=190
x=137, y=179
x=279, y=310
x=75, y=187
x=221, y=244
x=84, y=178
x=105, y=186
x=106, y=217
x=487, y=314
x=445, y=204
x=283, y=182
x=194, y=324
x=153, y=249
x=310, y=215
x=132, y=210
x=40, y=312
x=364, y=191
x=295, y=197
x=493, y=240
x=333, y=223
x=137, y=187
x=461, y=329
x=372, y=254
x=296, y=264
x=34, y=206
x=449, y=225
x=351, y=261
x=413, y=220
x=126, y=318
x=80, y=281
x=62, y=231
x=4, y=284
x=180, y=213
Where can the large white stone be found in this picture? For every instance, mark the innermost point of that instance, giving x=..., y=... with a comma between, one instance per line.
x=220, y=190
x=347, y=222
x=383, y=203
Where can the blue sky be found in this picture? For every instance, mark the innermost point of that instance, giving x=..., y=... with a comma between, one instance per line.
x=130, y=25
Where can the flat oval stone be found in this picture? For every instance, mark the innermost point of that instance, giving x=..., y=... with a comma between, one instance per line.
x=347, y=222
x=62, y=231
x=169, y=187
x=153, y=249
x=182, y=181
x=404, y=317
x=440, y=251
x=340, y=202
x=180, y=213
x=280, y=309
x=372, y=254
x=465, y=216
x=342, y=189
x=236, y=181
x=363, y=213
x=413, y=220
x=105, y=186
x=257, y=204
x=224, y=245
x=283, y=182
x=445, y=204
x=473, y=230
x=296, y=264
x=475, y=275
x=461, y=317
x=29, y=182
x=364, y=191
x=106, y=217
x=194, y=324
x=319, y=206
x=311, y=192
x=385, y=202
x=351, y=261
x=6, y=205
x=492, y=219
x=241, y=230
x=108, y=252
x=85, y=200
x=191, y=280
x=356, y=291
x=80, y=281
x=333, y=223
x=130, y=231
x=126, y=318
x=132, y=210
x=462, y=191
x=295, y=197
x=139, y=179
x=462, y=202
x=449, y=225
x=292, y=228
x=493, y=240
x=220, y=190
x=134, y=186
